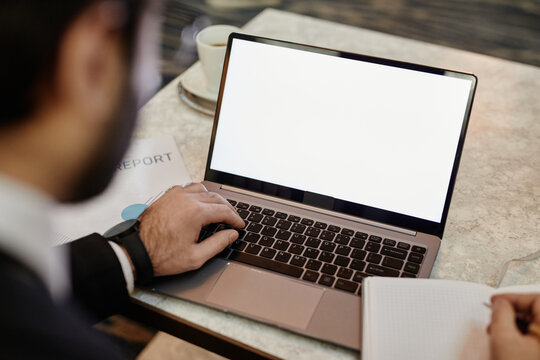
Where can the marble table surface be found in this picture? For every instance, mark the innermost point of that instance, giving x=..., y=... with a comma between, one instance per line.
x=495, y=210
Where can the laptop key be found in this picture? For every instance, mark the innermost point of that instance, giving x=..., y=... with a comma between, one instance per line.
x=346, y=285
x=266, y=264
x=268, y=212
x=232, y=202
x=283, y=256
x=254, y=227
x=242, y=205
x=327, y=280
x=243, y=213
x=320, y=225
x=342, y=239
x=239, y=245
x=311, y=253
x=298, y=239
x=311, y=276
x=359, y=276
x=253, y=249
x=416, y=258
x=328, y=246
x=389, y=242
x=357, y=243
x=296, y=249
x=329, y=269
x=327, y=235
x=281, y=215
x=412, y=268
x=358, y=254
x=380, y=271
x=403, y=246
x=361, y=235
x=298, y=260
x=407, y=275
x=307, y=222
x=334, y=228
x=251, y=237
x=270, y=221
x=283, y=234
x=393, y=263
x=344, y=273
x=266, y=241
x=312, y=242
x=347, y=232
x=223, y=227
x=373, y=258
x=241, y=234
x=268, y=253
x=281, y=245
x=342, y=261
x=373, y=247
x=326, y=257
x=419, y=249
x=255, y=208
x=269, y=231
x=283, y=224
x=313, y=264
x=358, y=265
x=294, y=218
x=343, y=250
x=255, y=217
x=314, y=232
x=376, y=239
x=393, y=252
x=298, y=228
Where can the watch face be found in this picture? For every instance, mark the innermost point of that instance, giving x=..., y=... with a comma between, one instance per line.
x=119, y=229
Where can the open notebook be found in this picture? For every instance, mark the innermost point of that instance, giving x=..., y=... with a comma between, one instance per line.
x=427, y=318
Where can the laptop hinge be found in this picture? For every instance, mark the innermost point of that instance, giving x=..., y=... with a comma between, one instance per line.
x=319, y=210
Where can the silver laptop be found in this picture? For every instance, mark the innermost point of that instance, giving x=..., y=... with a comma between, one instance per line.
x=342, y=166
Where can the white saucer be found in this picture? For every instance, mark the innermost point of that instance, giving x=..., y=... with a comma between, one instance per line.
x=192, y=89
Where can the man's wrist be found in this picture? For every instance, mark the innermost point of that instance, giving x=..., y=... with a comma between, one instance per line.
x=126, y=234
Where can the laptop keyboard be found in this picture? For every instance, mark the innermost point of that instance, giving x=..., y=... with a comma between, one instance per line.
x=315, y=251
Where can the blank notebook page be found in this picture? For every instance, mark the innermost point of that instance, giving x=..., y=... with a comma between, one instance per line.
x=426, y=319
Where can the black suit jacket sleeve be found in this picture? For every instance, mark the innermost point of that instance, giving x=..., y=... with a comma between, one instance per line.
x=32, y=326
x=98, y=282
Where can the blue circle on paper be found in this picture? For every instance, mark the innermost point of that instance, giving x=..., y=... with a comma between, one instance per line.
x=132, y=212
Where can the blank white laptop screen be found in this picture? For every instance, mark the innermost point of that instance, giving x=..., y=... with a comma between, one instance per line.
x=371, y=134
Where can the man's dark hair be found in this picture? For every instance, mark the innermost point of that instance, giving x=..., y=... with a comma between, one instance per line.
x=30, y=34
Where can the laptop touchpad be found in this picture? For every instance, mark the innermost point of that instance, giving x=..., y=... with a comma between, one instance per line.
x=265, y=296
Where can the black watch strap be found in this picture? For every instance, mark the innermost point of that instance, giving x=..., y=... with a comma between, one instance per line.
x=139, y=257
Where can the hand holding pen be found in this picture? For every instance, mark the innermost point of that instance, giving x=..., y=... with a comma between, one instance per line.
x=515, y=327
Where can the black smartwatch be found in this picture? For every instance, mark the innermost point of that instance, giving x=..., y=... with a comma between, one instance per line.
x=126, y=234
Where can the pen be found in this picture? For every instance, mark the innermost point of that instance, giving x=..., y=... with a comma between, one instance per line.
x=524, y=326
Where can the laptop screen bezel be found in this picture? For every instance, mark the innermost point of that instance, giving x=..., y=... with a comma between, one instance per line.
x=326, y=202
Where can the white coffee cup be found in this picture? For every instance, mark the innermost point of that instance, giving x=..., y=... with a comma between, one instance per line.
x=211, y=46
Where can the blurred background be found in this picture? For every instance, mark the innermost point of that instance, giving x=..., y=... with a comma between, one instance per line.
x=509, y=29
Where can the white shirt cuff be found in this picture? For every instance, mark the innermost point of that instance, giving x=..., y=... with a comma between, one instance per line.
x=126, y=266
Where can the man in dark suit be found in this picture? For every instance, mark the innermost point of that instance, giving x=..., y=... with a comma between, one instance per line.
x=69, y=84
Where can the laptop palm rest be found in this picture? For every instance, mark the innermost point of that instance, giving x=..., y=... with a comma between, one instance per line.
x=266, y=296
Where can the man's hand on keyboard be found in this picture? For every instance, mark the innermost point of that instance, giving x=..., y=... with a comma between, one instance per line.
x=170, y=228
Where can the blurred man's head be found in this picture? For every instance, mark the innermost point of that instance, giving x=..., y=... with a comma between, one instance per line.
x=68, y=90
